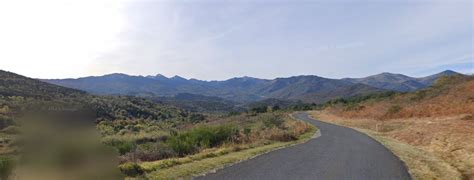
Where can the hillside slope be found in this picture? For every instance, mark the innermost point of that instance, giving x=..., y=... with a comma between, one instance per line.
x=15, y=85
x=21, y=94
x=435, y=123
x=449, y=95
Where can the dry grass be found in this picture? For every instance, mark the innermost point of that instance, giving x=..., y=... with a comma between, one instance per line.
x=450, y=100
x=422, y=164
x=432, y=148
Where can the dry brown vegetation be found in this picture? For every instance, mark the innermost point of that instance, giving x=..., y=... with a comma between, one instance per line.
x=437, y=121
x=450, y=96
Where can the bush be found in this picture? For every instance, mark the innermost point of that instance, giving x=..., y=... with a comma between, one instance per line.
x=11, y=130
x=273, y=121
x=247, y=131
x=5, y=121
x=120, y=145
x=131, y=169
x=353, y=107
x=197, y=118
x=468, y=117
x=282, y=136
x=125, y=147
x=201, y=137
x=150, y=152
x=6, y=167
x=259, y=109
x=394, y=109
x=301, y=107
x=182, y=144
x=419, y=95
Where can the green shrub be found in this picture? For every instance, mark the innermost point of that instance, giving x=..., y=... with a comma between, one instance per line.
x=117, y=142
x=234, y=113
x=362, y=98
x=5, y=121
x=6, y=167
x=131, y=169
x=197, y=118
x=247, y=131
x=182, y=144
x=259, y=109
x=301, y=107
x=273, y=121
x=201, y=137
x=125, y=147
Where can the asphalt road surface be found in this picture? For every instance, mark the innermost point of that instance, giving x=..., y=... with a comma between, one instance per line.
x=339, y=153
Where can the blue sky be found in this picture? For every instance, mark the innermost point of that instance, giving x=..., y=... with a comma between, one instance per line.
x=216, y=40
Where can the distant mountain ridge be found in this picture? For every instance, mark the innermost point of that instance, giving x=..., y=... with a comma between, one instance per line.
x=22, y=94
x=308, y=88
x=399, y=82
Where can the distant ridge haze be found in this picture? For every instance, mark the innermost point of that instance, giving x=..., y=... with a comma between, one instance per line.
x=308, y=88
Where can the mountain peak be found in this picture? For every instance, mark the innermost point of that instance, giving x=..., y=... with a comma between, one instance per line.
x=448, y=72
x=116, y=75
x=158, y=77
x=389, y=74
x=176, y=77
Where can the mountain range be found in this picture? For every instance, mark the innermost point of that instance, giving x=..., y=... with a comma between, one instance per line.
x=308, y=88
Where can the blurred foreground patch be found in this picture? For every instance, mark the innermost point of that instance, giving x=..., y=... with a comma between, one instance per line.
x=59, y=146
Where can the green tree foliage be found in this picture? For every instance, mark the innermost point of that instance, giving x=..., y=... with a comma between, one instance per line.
x=359, y=99
x=259, y=109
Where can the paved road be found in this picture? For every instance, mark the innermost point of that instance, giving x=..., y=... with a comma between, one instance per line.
x=339, y=153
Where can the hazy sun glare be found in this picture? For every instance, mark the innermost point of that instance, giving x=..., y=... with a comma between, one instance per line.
x=56, y=38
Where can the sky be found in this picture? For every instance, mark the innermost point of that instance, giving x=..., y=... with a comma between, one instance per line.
x=219, y=39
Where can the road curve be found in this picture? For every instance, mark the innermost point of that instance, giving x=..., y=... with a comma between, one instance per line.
x=339, y=153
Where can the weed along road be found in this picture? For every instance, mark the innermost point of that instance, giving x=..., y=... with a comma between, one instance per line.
x=339, y=153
